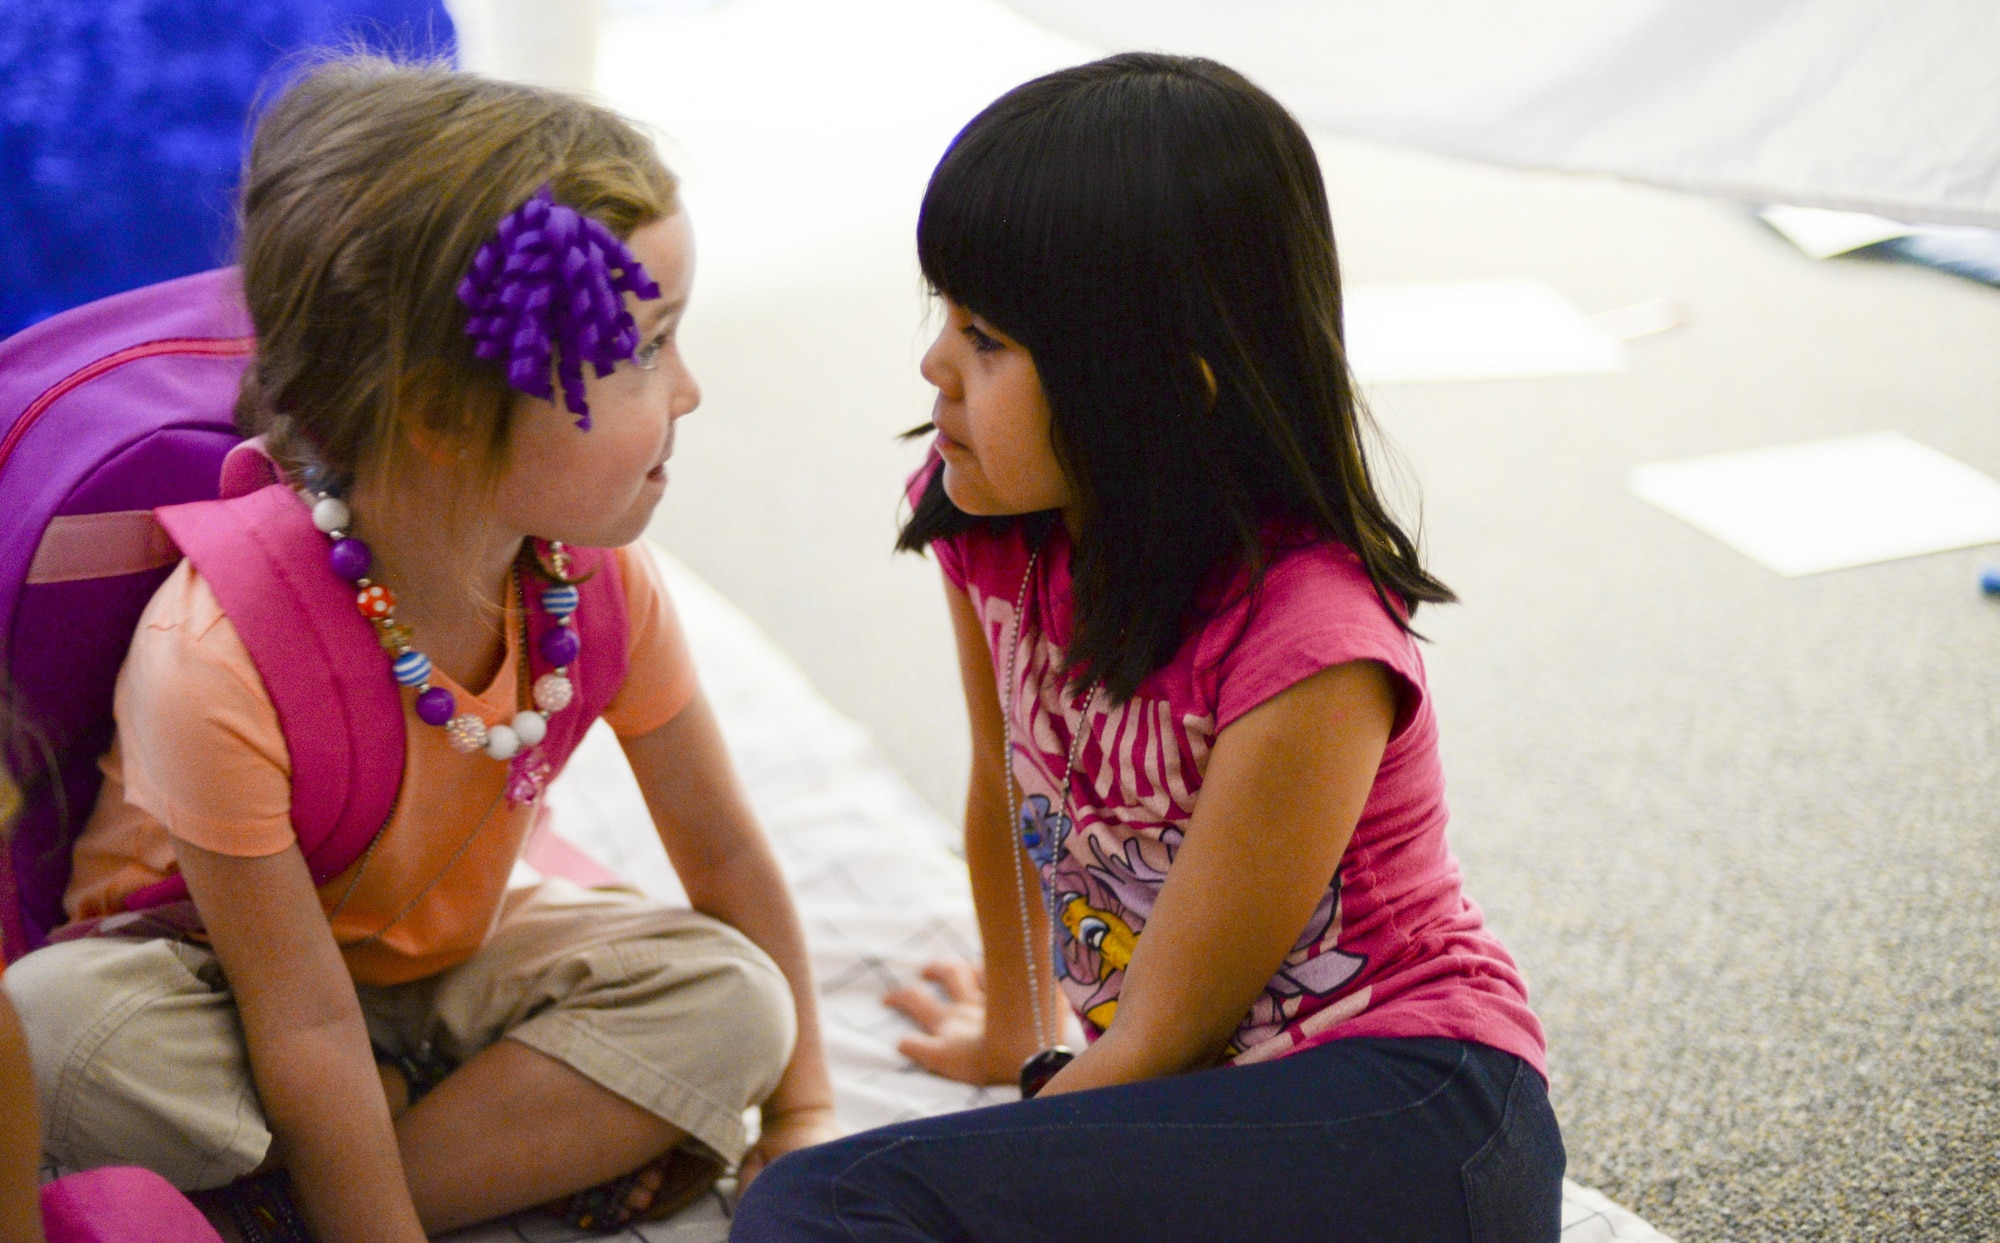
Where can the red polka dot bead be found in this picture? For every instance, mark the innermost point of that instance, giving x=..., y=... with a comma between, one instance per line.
x=376, y=602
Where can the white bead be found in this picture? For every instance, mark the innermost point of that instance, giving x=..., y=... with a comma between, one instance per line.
x=467, y=733
x=530, y=727
x=502, y=742
x=331, y=514
x=553, y=691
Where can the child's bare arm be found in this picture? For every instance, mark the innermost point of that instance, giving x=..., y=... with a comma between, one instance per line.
x=1005, y=1033
x=1281, y=795
x=21, y=1141
x=308, y=1044
x=731, y=873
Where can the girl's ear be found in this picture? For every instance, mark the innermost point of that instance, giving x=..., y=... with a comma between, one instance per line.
x=429, y=438
x=433, y=446
x=436, y=449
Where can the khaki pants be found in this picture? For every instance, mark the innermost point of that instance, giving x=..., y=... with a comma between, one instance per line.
x=139, y=1054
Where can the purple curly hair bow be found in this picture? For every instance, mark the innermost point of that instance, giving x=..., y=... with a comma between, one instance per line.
x=546, y=287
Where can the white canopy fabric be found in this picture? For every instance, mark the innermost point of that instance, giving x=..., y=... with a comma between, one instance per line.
x=1860, y=105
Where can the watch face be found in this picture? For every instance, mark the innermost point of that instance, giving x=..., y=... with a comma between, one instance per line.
x=1039, y=1069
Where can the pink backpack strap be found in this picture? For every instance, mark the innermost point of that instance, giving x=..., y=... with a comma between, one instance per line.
x=246, y=468
x=326, y=674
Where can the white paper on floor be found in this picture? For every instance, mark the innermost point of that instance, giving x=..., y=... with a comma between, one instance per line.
x=1427, y=331
x=1822, y=234
x=1829, y=504
x=877, y=891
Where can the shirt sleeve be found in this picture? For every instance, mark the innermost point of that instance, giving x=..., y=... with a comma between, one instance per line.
x=951, y=561
x=201, y=746
x=1315, y=609
x=660, y=676
x=950, y=557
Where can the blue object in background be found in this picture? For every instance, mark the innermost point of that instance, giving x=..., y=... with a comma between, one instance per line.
x=1989, y=580
x=123, y=123
x=1959, y=249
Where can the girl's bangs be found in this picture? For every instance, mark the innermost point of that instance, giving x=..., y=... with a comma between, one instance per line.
x=986, y=203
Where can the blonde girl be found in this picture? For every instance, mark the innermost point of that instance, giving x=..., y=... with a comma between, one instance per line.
x=466, y=295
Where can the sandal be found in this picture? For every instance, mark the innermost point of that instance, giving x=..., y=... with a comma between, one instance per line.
x=261, y=1206
x=421, y=1071
x=685, y=1177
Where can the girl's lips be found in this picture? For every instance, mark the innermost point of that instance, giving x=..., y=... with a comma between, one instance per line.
x=946, y=442
x=658, y=474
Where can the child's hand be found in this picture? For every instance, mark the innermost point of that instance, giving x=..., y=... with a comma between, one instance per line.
x=783, y=1132
x=953, y=1043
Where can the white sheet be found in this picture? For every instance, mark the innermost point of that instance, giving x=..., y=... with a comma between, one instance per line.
x=879, y=892
x=1822, y=234
x=1850, y=104
x=1829, y=504
x=1425, y=331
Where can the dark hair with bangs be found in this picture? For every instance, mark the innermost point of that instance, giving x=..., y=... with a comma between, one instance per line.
x=1128, y=221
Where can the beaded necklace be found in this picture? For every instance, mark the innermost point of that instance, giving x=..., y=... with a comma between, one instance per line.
x=517, y=742
x=1044, y=1065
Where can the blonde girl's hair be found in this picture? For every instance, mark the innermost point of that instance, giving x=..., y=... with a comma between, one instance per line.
x=370, y=184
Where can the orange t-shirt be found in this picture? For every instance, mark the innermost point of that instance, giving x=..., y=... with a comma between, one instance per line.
x=199, y=756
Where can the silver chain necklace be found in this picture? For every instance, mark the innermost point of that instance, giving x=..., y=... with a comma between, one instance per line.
x=1044, y=1065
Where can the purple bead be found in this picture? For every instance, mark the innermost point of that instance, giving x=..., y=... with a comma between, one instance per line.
x=560, y=646
x=350, y=558
x=436, y=706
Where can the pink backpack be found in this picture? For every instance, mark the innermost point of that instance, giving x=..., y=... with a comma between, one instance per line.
x=119, y=454
x=121, y=1204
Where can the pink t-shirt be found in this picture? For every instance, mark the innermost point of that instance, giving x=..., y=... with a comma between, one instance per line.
x=1394, y=947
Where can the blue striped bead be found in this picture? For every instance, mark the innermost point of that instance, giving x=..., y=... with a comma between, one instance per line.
x=559, y=601
x=413, y=669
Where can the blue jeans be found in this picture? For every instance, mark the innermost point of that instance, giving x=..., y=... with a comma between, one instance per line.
x=1363, y=1139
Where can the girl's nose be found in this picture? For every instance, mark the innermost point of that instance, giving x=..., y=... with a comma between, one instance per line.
x=934, y=368
x=687, y=396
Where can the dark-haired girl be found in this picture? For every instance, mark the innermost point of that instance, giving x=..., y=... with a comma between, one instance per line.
x=1206, y=808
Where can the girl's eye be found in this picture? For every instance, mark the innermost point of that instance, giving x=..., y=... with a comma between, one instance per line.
x=981, y=342
x=648, y=355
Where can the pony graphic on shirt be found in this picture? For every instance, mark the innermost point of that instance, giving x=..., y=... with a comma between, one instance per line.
x=1102, y=901
x=1102, y=939
x=1103, y=934
x=1136, y=791
x=1042, y=830
x=1101, y=905
x=1313, y=971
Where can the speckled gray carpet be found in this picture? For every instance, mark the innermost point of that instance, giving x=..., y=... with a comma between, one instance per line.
x=1742, y=831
